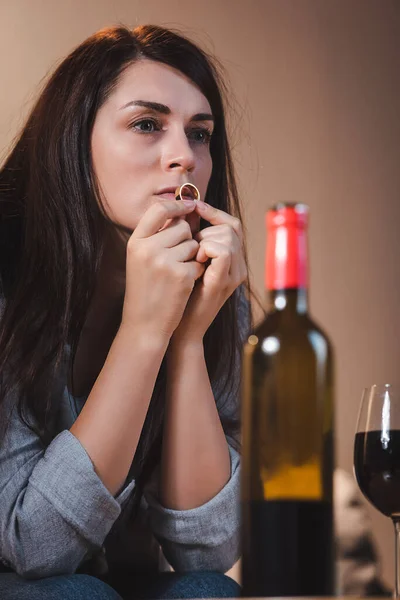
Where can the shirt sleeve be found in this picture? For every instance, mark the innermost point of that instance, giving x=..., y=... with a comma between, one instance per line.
x=55, y=510
x=207, y=537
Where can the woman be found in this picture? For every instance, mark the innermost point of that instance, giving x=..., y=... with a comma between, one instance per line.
x=124, y=311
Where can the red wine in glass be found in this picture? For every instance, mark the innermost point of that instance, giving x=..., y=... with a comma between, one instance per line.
x=377, y=455
x=377, y=467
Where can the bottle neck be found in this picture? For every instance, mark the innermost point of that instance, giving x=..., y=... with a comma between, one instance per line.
x=286, y=276
x=289, y=300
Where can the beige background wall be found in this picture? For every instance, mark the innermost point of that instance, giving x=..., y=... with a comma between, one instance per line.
x=318, y=91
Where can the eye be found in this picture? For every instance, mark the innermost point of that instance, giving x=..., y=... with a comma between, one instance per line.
x=145, y=126
x=201, y=135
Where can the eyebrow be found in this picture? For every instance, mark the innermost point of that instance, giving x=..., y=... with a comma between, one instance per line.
x=165, y=110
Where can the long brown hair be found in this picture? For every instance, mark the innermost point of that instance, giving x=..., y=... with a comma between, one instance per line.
x=52, y=230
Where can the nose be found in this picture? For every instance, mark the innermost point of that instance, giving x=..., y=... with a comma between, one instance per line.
x=178, y=153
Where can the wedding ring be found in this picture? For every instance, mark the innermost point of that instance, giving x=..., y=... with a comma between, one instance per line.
x=194, y=192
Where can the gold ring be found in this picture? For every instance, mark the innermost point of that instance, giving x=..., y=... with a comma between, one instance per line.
x=195, y=194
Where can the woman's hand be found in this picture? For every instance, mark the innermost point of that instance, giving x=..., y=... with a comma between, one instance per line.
x=160, y=270
x=223, y=244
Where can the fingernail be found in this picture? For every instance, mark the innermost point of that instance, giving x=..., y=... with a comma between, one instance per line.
x=188, y=203
x=202, y=205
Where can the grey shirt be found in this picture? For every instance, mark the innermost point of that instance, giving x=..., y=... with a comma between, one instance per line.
x=57, y=517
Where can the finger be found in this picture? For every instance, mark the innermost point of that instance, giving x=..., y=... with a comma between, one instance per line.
x=177, y=231
x=168, y=223
x=224, y=234
x=220, y=255
x=185, y=251
x=156, y=216
x=198, y=269
x=212, y=249
x=218, y=217
x=213, y=231
x=195, y=269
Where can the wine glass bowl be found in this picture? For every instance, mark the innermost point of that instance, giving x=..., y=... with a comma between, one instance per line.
x=377, y=454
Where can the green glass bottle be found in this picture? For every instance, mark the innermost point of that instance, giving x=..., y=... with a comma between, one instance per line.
x=287, y=420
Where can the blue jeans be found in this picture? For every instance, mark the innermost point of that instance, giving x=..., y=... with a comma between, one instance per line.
x=86, y=587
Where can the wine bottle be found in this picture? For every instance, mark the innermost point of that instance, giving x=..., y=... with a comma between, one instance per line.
x=287, y=424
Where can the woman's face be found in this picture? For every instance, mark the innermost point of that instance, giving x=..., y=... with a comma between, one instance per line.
x=151, y=134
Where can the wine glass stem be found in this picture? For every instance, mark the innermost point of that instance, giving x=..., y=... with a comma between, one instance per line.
x=396, y=524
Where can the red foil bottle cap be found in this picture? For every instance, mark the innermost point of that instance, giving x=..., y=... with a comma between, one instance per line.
x=287, y=257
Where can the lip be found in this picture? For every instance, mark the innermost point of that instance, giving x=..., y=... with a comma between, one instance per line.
x=169, y=193
x=166, y=196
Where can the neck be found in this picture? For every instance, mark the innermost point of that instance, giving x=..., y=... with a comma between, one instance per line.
x=294, y=300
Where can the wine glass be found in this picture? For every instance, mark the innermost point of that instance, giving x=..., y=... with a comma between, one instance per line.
x=377, y=456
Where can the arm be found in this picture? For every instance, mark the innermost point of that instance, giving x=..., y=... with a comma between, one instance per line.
x=194, y=440
x=110, y=432
x=206, y=537
x=159, y=280
x=38, y=510
x=58, y=504
x=195, y=462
